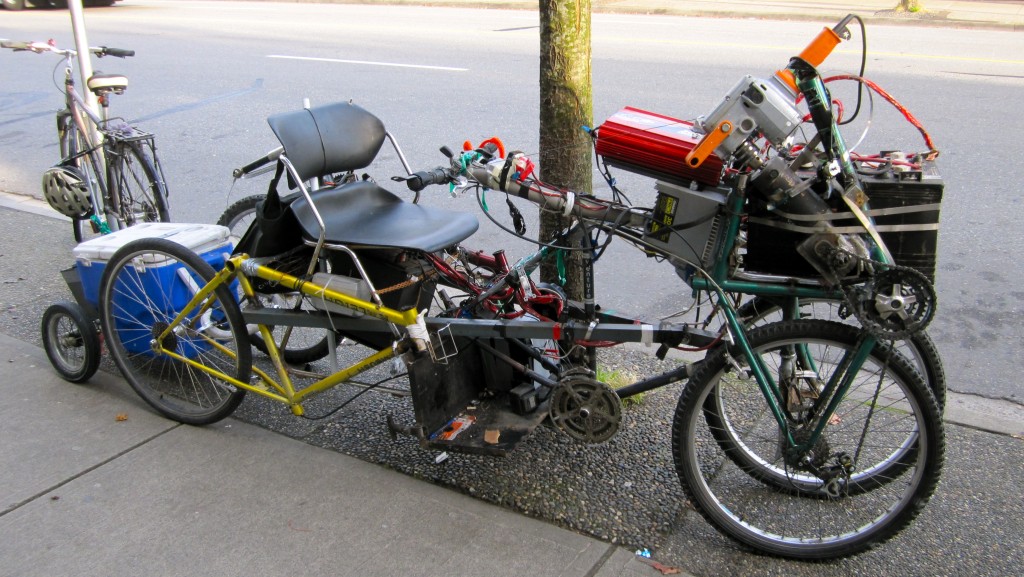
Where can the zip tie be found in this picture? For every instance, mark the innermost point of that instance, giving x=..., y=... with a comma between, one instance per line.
x=590, y=330
x=647, y=334
x=570, y=200
x=418, y=332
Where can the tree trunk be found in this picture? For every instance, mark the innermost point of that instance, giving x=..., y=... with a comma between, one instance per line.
x=566, y=105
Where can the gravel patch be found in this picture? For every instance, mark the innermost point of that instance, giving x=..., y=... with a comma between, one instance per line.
x=624, y=491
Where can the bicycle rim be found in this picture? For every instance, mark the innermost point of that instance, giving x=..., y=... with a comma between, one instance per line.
x=732, y=465
x=137, y=184
x=138, y=303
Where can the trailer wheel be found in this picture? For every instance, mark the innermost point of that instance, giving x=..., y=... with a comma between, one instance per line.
x=72, y=341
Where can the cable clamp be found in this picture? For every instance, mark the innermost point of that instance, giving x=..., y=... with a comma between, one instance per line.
x=570, y=201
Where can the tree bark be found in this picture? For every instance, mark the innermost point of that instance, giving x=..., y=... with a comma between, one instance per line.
x=566, y=106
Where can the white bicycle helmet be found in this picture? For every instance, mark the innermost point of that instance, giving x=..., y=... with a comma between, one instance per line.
x=66, y=191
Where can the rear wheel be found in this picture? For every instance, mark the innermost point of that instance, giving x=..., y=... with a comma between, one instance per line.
x=137, y=184
x=72, y=341
x=239, y=216
x=181, y=373
x=920, y=349
x=871, y=472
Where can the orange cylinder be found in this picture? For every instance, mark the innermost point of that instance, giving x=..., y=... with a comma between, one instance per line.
x=822, y=45
x=815, y=53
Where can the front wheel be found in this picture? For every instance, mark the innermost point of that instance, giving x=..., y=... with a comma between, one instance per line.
x=182, y=372
x=875, y=465
x=72, y=341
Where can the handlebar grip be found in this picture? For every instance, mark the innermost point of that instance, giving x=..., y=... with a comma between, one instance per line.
x=14, y=45
x=119, y=52
x=262, y=161
x=425, y=178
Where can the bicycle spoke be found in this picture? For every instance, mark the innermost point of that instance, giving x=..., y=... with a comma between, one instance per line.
x=138, y=310
x=858, y=484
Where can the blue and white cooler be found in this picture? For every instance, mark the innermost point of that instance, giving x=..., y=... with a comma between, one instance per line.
x=166, y=285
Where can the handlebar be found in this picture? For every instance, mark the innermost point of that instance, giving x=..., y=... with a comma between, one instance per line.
x=500, y=174
x=424, y=178
x=108, y=51
x=51, y=46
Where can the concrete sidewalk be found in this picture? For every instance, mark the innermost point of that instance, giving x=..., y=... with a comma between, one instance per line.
x=87, y=493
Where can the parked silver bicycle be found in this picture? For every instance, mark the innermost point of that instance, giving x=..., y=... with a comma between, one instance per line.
x=109, y=175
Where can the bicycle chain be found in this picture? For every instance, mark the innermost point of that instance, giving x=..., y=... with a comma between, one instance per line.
x=892, y=326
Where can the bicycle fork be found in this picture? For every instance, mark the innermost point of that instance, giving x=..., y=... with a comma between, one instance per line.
x=797, y=368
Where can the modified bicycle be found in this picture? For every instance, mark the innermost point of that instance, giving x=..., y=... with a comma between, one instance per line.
x=803, y=438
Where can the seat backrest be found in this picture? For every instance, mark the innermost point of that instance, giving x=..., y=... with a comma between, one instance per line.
x=326, y=139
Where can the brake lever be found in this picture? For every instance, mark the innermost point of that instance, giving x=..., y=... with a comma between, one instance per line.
x=458, y=186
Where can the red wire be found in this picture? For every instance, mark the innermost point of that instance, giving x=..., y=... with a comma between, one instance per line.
x=597, y=344
x=704, y=348
x=932, y=151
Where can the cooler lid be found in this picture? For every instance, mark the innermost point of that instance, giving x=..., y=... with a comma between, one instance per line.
x=199, y=238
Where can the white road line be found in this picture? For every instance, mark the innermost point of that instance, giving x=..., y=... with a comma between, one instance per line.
x=395, y=64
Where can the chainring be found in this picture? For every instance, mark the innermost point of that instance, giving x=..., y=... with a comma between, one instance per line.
x=897, y=303
x=585, y=409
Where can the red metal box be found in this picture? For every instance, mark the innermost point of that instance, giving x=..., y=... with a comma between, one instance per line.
x=656, y=145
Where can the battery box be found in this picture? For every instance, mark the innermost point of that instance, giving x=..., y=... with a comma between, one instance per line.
x=355, y=287
x=904, y=206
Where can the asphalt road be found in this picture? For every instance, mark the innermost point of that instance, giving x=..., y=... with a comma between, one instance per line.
x=208, y=73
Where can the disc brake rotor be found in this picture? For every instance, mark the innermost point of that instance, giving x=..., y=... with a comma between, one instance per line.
x=585, y=409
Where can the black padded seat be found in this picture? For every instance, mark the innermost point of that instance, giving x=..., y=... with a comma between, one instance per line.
x=364, y=214
x=332, y=138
